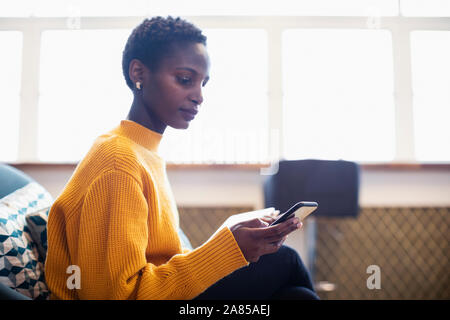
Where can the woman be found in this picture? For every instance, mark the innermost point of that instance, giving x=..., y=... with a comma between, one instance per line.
x=116, y=220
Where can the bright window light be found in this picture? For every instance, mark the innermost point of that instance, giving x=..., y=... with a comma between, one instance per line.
x=431, y=82
x=231, y=126
x=425, y=8
x=338, y=95
x=88, y=96
x=86, y=8
x=10, y=78
x=82, y=90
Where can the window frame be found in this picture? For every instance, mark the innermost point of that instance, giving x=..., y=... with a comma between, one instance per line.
x=400, y=28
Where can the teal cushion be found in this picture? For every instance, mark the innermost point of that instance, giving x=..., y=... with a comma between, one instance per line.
x=11, y=180
x=185, y=243
x=20, y=266
x=37, y=226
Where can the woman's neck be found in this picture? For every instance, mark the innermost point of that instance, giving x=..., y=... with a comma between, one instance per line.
x=141, y=114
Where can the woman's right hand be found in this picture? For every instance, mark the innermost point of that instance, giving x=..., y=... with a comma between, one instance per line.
x=256, y=238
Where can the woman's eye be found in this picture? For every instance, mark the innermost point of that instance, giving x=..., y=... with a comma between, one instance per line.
x=184, y=80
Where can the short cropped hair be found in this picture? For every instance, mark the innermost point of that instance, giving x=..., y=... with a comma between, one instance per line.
x=153, y=37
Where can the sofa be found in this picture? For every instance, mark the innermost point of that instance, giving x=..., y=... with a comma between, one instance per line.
x=24, y=207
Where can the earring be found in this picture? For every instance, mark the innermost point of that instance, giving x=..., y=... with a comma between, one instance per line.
x=138, y=85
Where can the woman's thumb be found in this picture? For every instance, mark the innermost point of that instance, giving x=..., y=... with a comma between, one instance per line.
x=254, y=223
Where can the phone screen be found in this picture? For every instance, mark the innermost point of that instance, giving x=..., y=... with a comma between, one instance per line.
x=301, y=210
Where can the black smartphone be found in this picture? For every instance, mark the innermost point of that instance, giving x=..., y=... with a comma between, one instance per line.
x=301, y=210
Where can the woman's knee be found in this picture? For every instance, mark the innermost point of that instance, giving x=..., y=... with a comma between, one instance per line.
x=299, y=273
x=285, y=249
x=295, y=293
x=290, y=254
x=284, y=257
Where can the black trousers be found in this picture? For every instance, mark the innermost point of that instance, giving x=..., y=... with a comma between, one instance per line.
x=280, y=275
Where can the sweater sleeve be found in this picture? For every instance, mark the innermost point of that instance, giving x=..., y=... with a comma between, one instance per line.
x=112, y=243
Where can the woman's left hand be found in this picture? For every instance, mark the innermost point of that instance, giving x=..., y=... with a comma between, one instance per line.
x=270, y=217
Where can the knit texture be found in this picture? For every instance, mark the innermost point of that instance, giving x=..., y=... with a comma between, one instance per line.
x=117, y=220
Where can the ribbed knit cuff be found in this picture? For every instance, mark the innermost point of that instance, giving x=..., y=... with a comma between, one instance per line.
x=185, y=276
x=217, y=258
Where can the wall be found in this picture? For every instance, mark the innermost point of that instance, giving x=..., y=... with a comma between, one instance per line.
x=242, y=187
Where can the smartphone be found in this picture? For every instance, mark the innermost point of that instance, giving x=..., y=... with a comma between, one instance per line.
x=301, y=210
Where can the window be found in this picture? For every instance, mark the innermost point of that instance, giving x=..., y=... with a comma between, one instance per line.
x=10, y=78
x=280, y=7
x=431, y=82
x=231, y=123
x=67, y=8
x=425, y=8
x=231, y=126
x=81, y=82
x=314, y=77
x=99, y=8
x=338, y=95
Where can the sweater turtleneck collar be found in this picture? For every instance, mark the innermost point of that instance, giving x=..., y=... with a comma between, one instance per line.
x=143, y=136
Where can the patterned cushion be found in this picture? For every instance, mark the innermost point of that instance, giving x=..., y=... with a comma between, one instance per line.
x=37, y=226
x=20, y=267
x=185, y=243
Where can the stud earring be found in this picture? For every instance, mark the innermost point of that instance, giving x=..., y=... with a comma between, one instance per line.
x=138, y=85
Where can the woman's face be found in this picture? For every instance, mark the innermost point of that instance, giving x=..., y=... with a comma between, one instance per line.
x=173, y=92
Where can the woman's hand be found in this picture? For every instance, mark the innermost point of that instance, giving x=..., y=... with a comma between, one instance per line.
x=270, y=217
x=256, y=238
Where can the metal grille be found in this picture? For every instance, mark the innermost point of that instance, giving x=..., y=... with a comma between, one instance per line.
x=410, y=246
x=200, y=223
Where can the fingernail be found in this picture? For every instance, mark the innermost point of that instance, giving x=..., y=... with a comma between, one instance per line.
x=299, y=225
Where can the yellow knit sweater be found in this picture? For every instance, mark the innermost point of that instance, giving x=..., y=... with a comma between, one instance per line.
x=117, y=220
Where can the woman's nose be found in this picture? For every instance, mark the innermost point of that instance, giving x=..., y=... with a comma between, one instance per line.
x=197, y=96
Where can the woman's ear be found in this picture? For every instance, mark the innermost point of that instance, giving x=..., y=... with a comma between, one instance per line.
x=137, y=72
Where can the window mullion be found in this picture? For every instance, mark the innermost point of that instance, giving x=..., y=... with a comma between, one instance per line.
x=29, y=95
x=404, y=117
x=275, y=94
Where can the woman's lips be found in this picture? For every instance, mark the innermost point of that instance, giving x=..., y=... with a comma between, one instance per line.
x=188, y=114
